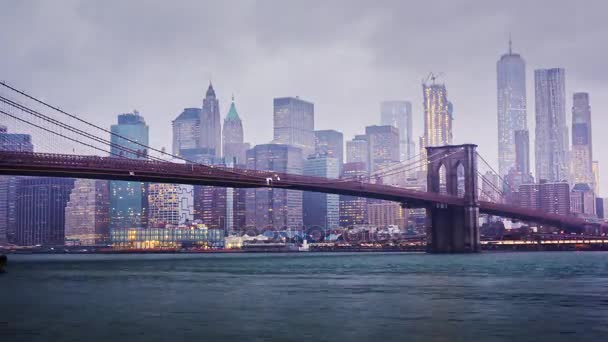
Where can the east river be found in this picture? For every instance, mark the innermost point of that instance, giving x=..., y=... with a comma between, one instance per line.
x=549, y=296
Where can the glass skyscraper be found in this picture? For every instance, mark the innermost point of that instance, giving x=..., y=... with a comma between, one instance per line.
x=321, y=210
x=129, y=200
x=211, y=127
x=383, y=146
x=294, y=123
x=186, y=130
x=399, y=114
x=87, y=212
x=437, y=117
x=581, y=154
x=330, y=142
x=551, y=145
x=8, y=184
x=511, y=100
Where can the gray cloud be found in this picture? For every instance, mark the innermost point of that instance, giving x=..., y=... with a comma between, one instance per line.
x=104, y=58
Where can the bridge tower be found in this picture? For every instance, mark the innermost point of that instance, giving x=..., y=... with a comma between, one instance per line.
x=453, y=229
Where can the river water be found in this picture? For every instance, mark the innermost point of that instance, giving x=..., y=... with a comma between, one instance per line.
x=555, y=296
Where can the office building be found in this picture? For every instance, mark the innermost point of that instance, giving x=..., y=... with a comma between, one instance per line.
x=294, y=123
x=319, y=209
x=522, y=152
x=234, y=148
x=357, y=150
x=511, y=101
x=129, y=200
x=581, y=153
x=383, y=214
x=210, y=125
x=40, y=216
x=595, y=168
x=87, y=213
x=330, y=142
x=552, y=198
x=582, y=200
x=399, y=114
x=186, y=130
x=273, y=208
x=383, y=145
x=438, y=117
x=551, y=145
x=353, y=210
x=170, y=204
x=8, y=184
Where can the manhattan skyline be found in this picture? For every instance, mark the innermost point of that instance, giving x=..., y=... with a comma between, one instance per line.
x=370, y=55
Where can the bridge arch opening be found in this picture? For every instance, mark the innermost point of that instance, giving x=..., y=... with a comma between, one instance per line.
x=460, y=180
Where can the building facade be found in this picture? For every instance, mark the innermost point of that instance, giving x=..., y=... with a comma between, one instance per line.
x=438, y=117
x=294, y=123
x=87, y=213
x=233, y=148
x=41, y=203
x=319, y=209
x=273, y=208
x=399, y=114
x=170, y=204
x=581, y=155
x=582, y=200
x=210, y=124
x=129, y=200
x=331, y=143
x=186, y=130
x=552, y=198
x=511, y=101
x=551, y=140
x=383, y=145
x=8, y=184
x=357, y=150
x=353, y=210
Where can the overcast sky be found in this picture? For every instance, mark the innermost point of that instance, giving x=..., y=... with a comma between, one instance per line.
x=102, y=58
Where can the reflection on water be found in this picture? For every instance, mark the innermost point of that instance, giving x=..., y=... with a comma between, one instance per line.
x=317, y=297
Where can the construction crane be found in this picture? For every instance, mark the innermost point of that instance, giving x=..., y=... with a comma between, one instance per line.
x=432, y=76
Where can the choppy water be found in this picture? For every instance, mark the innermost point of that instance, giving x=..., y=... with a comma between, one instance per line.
x=318, y=297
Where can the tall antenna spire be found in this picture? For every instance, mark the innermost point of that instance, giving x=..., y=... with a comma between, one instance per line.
x=510, y=45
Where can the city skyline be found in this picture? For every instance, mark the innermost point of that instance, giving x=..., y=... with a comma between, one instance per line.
x=338, y=101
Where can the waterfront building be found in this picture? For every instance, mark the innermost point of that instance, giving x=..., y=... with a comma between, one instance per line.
x=274, y=208
x=170, y=204
x=551, y=139
x=40, y=216
x=87, y=213
x=210, y=125
x=331, y=143
x=294, y=123
x=353, y=210
x=399, y=114
x=511, y=101
x=319, y=209
x=186, y=130
x=8, y=184
x=195, y=235
x=129, y=200
x=384, y=213
x=383, y=145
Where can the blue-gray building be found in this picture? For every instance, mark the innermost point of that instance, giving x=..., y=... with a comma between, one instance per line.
x=321, y=210
x=399, y=114
x=294, y=123
x=129, y=200
x=8, y=184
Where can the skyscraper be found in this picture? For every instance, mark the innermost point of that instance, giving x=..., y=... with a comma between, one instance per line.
x=437, y=117
x=294, y=123
x=8, y=184
x=353, y=210
x=511, y=100
x=274, y=208
x=211, y=127
x=186, y=131
x=87, y=213
x=357, y=150
x=581, y=154
x=330, y=142
x=232, y=134
x=383, y=146
x=399, y=115
x=41, y=203
x=596, y=177
x=522, y=151
x=582, y=200
x=551, y=143
x=321, y=210
x=129, y=200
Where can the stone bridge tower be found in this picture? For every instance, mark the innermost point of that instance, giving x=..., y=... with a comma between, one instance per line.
x=453, y=229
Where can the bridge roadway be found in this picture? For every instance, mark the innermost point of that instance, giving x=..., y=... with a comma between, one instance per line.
x=112, y=168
